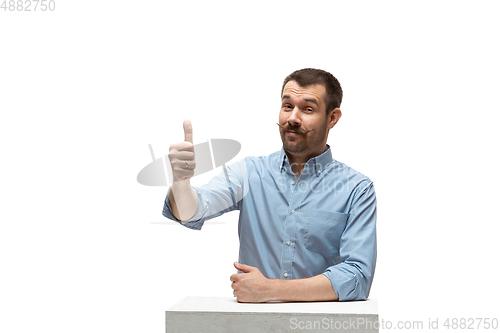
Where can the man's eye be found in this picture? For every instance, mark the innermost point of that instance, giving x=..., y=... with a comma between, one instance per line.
x=287, y=106
x=309, y=109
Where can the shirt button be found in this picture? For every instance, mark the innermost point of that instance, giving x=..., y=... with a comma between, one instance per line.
x=293, y=211
x=286, y=274
x=319, y=171
x=292, y=182
x=288, y=243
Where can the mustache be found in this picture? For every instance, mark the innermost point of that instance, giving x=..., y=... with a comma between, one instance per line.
x=297, y=129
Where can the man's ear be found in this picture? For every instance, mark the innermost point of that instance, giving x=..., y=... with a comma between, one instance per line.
x=334, y=117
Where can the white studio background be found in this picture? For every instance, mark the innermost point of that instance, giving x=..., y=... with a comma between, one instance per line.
x=84, y=89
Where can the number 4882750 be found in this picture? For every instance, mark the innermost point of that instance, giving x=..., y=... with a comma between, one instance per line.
x=28, y=5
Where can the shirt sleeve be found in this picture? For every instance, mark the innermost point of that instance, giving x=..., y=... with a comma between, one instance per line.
x=222, y=194
x=352, y=278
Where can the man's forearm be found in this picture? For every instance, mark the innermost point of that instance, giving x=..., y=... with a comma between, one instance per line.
x=316, y=288
x=183, y=200
x=251, y=286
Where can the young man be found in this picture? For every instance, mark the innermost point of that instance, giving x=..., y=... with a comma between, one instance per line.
x=307, y=221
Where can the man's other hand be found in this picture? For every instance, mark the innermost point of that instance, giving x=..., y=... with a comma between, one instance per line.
x=250, y=286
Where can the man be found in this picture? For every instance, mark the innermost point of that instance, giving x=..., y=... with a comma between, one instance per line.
x=307, y=222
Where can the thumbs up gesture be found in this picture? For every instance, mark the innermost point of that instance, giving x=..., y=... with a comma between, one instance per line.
x=181, y=156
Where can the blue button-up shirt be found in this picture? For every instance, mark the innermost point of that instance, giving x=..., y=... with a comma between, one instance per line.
x=322, y=223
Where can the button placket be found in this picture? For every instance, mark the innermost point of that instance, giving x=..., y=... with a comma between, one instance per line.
x=295, y=199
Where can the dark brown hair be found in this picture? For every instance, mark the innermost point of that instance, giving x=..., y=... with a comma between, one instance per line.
x=308, y=76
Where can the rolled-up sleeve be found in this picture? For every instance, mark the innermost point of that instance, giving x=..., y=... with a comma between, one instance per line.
x=222, y=194
x=195, y=222
x=352, y=278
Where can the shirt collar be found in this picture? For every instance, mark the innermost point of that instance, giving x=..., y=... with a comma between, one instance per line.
x=318, y=163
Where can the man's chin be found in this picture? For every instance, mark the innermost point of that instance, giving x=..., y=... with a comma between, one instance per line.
x=292, y=148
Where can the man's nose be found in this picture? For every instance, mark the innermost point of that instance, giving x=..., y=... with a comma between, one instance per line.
x=294, y=118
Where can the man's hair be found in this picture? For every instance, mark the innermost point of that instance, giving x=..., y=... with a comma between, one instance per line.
x=309, y=76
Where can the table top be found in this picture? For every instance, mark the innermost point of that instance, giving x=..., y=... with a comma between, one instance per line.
x=229, y=304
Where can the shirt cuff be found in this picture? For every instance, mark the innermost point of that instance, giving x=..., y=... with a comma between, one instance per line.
x=345, y=283
x=195, y=222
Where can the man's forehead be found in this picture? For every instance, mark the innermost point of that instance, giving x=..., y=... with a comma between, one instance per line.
x=292, y=88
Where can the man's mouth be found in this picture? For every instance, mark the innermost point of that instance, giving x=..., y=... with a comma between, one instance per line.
x=296, y=131
x=293, y=133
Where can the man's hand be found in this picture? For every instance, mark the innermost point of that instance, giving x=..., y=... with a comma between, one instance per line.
x=182, y=197
x=253, y=287
x=181, y=156
x=250, y=286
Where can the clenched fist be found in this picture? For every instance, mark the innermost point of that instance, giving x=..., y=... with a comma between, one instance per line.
x=251, y=286
x=181, y=156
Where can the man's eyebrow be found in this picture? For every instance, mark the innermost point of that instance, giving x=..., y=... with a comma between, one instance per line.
x=310, y=100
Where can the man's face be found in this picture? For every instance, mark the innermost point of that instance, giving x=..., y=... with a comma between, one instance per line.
x=303, y=121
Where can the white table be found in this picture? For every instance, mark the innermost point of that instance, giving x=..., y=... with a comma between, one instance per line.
x=225, y=314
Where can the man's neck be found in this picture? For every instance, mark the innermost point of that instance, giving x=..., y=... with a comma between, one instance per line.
x=297, y=165
x=297, y=162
